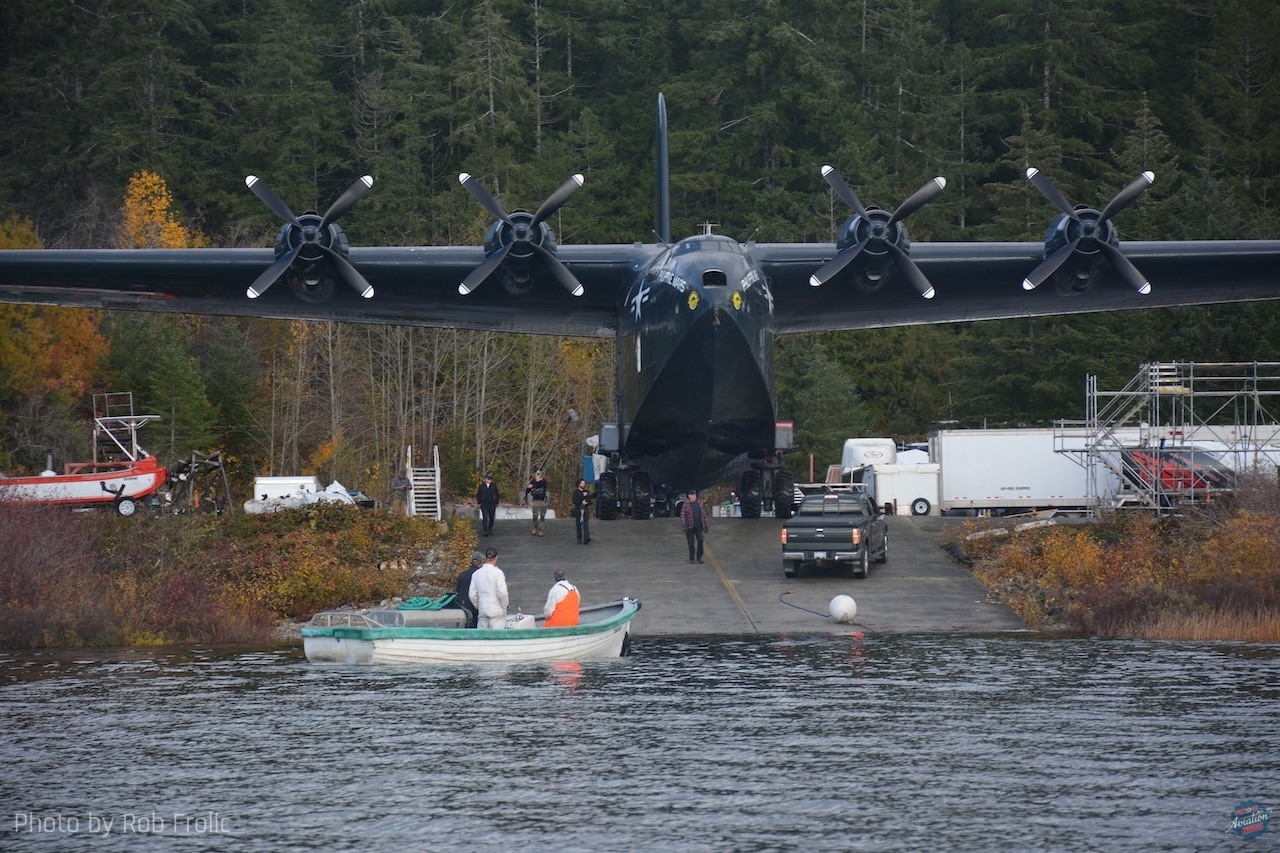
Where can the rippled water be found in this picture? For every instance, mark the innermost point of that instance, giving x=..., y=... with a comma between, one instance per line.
x=736, y=744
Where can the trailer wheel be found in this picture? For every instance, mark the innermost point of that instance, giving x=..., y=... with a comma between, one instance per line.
x=920, y=506
x=126, y=506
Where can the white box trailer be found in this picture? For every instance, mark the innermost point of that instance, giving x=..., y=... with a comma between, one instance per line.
x=1013, y=470
x=275, y=488
x=908, y=488
x=858, y=452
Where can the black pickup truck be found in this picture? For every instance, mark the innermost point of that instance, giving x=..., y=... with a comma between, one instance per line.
x=842, y=528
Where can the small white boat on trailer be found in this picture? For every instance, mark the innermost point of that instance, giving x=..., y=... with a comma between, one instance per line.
x=121, y=473
x=440, y=636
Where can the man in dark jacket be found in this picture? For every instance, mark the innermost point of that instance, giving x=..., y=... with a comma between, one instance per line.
x=582, y=511
x=464, y=589
x=487, y=498
x=693, y=518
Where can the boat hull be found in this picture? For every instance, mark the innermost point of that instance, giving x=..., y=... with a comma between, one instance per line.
x=139, y=480
x=604, y=633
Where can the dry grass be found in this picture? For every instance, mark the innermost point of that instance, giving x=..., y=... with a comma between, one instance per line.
x=1260, y=627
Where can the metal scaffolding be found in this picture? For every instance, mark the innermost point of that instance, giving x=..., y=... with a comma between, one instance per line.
x=1178, y=434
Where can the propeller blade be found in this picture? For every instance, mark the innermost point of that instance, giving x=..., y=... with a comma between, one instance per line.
x=557, y=198
x=1049, y=266
x=559, y=270
x=1049, y=191
x=1125, y=268
x=272, y=273
x=842, y=189
x=477, y=276
x=262, y=191
x=354, y=193
x=349, y=273
x=832, y=267
x=910, y=271
x=918, y=199
x=480, y=194
x=1126, y=196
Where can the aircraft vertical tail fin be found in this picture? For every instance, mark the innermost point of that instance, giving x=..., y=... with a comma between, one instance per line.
x=664, y=176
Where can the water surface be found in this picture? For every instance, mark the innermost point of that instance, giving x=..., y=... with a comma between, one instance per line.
x=709, y=743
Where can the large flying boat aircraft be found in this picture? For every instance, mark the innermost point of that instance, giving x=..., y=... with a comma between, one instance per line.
x=694, y=320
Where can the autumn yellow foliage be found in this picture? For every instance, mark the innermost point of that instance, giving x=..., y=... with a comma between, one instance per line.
x=147, y=218
x=42, y=348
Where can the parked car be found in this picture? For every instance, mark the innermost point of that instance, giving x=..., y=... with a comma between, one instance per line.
x=841, y=528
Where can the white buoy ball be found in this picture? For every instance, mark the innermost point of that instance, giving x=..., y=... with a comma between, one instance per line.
x=843, y=608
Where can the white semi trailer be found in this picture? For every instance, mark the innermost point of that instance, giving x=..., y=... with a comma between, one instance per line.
x=1014, y=470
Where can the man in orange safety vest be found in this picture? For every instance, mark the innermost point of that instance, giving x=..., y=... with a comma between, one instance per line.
x=562, y=603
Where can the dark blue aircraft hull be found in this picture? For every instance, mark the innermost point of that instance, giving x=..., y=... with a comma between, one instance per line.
x=696, y=383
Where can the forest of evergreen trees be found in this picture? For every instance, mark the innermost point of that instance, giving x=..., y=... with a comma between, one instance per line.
x=522, y=93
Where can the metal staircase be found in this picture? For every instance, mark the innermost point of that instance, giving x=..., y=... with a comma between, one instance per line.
x=425, y=498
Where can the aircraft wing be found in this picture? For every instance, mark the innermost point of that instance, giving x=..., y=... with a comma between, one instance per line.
x=983, y=281
x=412, y=286
x=419, y=286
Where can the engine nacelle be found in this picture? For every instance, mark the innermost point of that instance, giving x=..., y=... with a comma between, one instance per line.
x=1079, y=272
x=522, y=264
x=311, y=276
x=874, y=265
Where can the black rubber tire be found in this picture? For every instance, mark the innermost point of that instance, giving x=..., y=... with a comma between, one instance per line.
x=863, y=567
x=641, y=495
x=784, y=494
x=749, y=495
x=920, y=506
x=884, y=552
x=791, y=568
x=607, y=496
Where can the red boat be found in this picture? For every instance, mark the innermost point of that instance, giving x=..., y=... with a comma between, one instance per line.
x=120, y=475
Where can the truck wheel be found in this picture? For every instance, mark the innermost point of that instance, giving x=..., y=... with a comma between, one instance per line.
x=641, y=495
x=607, y=496
x=884, y=552
x=784, y=491
x=749, y=496
x=790, y=568
x=861, y=568
x=920, y=506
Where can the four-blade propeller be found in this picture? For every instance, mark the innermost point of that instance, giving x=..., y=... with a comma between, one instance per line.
x=523, y=233
x=1090, y=231
x=310, y=233
x=878, y=232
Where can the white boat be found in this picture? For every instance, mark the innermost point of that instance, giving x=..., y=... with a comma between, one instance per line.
x=440, y=636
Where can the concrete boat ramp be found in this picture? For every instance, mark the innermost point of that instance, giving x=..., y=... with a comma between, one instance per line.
x=739, y=586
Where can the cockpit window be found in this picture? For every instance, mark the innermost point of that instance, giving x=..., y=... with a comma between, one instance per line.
x=714, y=278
